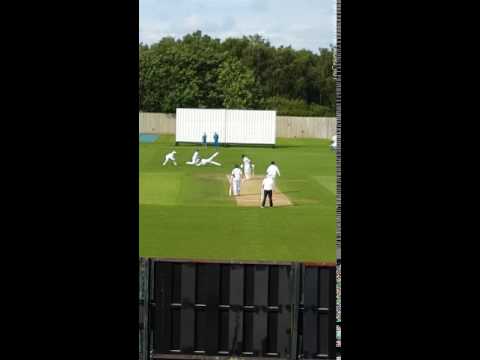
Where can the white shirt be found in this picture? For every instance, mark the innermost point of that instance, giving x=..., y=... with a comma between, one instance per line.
x=170, y=156
x=246, y=162
x=334, y=139
x=237, y=173
x=273, y=171
x=267, y=183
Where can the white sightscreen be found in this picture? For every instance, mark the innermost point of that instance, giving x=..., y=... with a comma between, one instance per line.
x=251, y=126
x=191, y=124
x=233, y=126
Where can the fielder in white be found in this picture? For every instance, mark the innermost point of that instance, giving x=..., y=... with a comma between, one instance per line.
x=333, y=145
x=236, y=179
x=170, y=157
x=247, y=166
x=195, y=158
x=273, y=170
x=204, y=162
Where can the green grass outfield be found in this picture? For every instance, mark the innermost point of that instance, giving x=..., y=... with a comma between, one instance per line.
x=185, y=211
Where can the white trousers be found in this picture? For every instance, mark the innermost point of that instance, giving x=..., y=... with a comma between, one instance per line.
x=247, y=171
x=169, y=159
x=204, y=162
x=236, y=186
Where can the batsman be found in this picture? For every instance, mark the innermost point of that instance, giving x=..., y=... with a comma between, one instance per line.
x=236, y=177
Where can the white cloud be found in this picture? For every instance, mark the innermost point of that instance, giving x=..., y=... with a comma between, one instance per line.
x=302, y=24
x=192, y=22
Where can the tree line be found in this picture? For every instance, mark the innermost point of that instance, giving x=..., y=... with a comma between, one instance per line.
x=198, y=71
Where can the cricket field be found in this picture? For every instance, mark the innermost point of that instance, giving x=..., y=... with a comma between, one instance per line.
x=186, y=213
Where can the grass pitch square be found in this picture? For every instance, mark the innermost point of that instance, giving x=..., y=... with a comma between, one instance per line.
x=185, y=211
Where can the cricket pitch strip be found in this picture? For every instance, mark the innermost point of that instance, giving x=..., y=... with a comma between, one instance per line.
x=250, y=194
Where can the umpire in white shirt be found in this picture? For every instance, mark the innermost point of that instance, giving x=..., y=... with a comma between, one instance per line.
x=267, y=187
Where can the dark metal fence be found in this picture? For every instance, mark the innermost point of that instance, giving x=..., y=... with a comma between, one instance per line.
x=319, y=313
x=143, y=307
x=219, y=309
x=339, y=308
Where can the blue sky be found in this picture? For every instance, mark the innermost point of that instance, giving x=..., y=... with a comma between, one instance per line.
x=303, y=24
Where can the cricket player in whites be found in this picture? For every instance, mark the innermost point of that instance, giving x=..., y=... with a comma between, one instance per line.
x=236, y=179
x=170, y=157
x=247, y=167
x=273, y=170
x=333, y=145
x=204, y=162
x=195, y=158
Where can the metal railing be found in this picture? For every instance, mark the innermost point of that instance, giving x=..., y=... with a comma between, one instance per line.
x=220, y=309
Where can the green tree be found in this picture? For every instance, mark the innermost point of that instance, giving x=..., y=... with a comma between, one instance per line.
x=326, y=81
x=200, y=71
x=180, y=73
x=236, y=85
